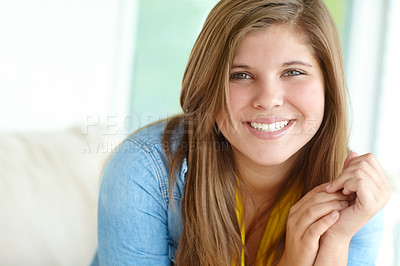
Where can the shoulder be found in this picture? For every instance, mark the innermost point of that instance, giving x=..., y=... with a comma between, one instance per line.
x=140, y=151
x=139, y=163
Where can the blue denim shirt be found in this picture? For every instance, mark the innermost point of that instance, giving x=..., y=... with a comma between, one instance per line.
x=136, y=224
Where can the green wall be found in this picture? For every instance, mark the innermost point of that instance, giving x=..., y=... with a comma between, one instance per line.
x=338, y=9
x=166, y=33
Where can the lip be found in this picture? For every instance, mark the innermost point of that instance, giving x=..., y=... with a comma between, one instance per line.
x=265, y=135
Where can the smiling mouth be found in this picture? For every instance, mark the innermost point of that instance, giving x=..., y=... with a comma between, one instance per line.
x=269, y=127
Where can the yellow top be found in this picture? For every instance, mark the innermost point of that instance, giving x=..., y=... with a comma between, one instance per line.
x=275, y=226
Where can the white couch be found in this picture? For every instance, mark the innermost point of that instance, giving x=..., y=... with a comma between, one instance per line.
x=48, y=195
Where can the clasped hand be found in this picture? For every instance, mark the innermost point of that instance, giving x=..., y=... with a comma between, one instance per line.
x=321, y=224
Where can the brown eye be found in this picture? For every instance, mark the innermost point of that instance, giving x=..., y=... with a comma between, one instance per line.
x=240, y=76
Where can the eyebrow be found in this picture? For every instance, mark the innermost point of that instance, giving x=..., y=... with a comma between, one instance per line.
x=239, y=66
x=286, y=64
x=297, y=62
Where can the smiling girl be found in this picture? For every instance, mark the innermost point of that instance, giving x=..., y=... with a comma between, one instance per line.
x=256, y=171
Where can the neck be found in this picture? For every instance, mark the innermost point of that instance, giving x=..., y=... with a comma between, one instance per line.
x=262, y=181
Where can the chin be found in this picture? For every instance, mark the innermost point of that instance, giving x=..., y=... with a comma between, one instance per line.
x=269, y=160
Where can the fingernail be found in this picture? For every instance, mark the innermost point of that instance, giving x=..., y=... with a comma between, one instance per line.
x=329, y=186
x=334, y=214
x=344, y=203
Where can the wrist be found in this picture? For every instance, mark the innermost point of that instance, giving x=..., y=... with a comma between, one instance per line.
x=333, y=251
x=334, y=242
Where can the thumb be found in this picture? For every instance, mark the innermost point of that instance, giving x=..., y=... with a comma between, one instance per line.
x=349, y=157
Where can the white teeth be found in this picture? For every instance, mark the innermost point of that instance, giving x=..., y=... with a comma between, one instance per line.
x=269, y=127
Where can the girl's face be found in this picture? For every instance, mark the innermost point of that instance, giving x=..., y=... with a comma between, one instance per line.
x=276, y=95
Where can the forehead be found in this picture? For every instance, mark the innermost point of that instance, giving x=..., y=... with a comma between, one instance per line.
x=279, y=28
x=276, y=38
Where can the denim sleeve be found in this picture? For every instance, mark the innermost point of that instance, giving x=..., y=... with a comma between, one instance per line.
x=132, y=214
x=364, y=245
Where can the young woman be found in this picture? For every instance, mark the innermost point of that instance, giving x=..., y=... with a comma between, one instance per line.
x=256, y=171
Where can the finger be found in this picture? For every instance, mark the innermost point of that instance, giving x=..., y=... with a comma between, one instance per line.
x=362, y=170
x=306, y=197
x=319, y=198
x=316, y=212
x=315, y=230
x=358, y=168
x=357, y=185
x=370, y=159
x=369, y=197
x=345, y=177
x=349, y=158
x=312, y=198
x=332, y=188
x=380, y=177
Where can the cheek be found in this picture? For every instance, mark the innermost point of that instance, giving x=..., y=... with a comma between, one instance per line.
x=310, y=101
x=238, y=99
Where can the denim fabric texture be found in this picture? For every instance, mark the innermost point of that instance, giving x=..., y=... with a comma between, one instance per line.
x=138, y=226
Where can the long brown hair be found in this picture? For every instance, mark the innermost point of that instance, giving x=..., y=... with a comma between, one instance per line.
x=210, y=233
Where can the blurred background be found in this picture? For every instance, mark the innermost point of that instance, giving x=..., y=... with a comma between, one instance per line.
x=103, y=68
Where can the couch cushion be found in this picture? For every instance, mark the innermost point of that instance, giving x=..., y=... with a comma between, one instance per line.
x=48, y=196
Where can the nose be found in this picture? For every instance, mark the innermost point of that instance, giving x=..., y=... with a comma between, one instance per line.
x=269, y=94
